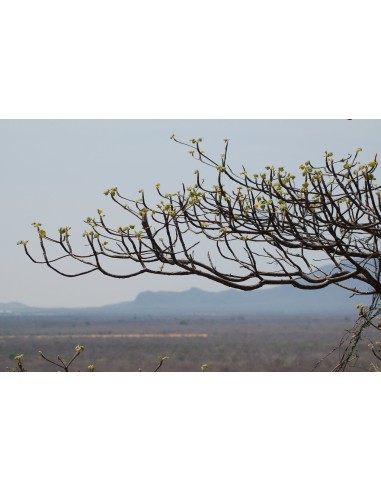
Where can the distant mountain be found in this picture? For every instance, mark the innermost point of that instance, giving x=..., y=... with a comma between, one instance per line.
x=14, y=307
x=277, y=301
x=285, y=300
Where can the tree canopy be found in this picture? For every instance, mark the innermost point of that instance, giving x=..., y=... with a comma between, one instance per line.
x=246, y=230
x=264, y=228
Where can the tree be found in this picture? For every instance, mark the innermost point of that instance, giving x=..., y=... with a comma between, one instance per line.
x=267, y=228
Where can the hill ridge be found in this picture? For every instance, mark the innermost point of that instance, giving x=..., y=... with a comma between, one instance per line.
x=279, y=300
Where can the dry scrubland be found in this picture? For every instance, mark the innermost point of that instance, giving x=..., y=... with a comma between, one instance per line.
x=235, y=344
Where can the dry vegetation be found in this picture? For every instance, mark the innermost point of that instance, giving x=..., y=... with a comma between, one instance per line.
x=235, y=344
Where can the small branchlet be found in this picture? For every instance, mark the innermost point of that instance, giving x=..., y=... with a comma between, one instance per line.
x=62, y=364
x=161, y=358
x=20, y=366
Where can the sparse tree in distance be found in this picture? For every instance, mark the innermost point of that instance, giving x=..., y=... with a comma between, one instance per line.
x=260, y=228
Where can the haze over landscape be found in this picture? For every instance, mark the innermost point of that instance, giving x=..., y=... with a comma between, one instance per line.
x=56, y=172
x=276, y=301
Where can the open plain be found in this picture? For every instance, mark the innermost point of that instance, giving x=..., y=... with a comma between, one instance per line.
x=135, y=343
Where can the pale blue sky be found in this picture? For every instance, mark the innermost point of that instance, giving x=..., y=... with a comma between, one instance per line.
x=55, y=171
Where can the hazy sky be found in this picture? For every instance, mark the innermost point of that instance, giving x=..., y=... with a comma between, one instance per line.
x=55, y=172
